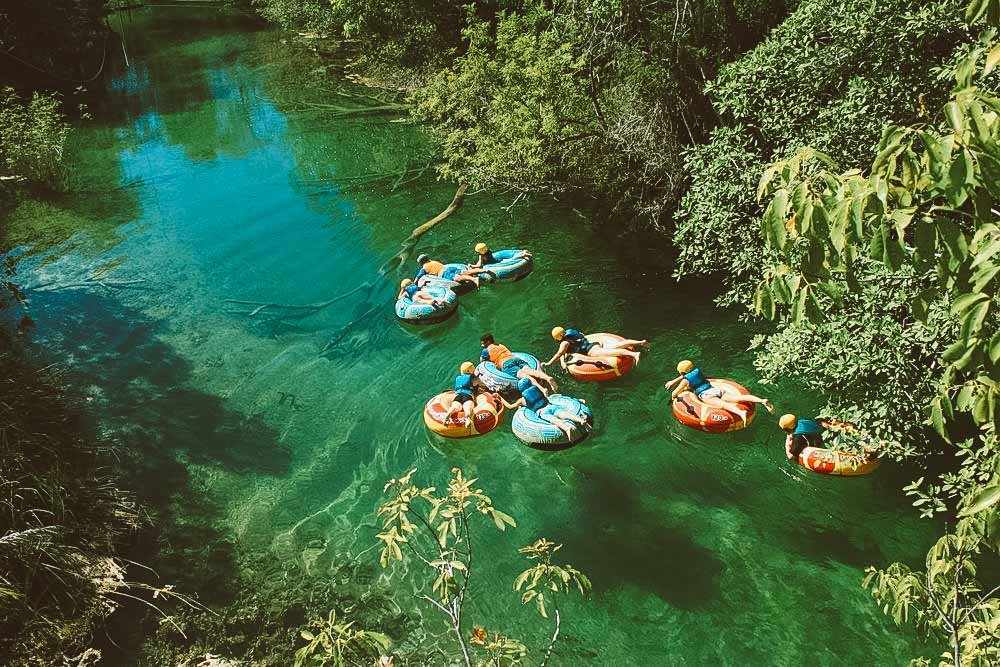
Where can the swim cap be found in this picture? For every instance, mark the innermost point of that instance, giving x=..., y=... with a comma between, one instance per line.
x=481, y=248
x=466, y=367
x=788, y=422
x=685, y=366
x=406, y=282
x=421, y=258
x=558, y=333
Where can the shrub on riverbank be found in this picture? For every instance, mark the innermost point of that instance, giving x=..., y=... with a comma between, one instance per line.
x=62, y=520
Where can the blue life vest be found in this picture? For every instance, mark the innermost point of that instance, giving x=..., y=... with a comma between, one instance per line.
x=808, y=427
x=697, y=381
x=420, y=274
x=463, y=384
x=533, y=396
x=411, y=290
x=487, y=258
x=577, y=341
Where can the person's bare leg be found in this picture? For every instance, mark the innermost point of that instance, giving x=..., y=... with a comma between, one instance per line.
x=628, y=342
x=539, y=375
x=717, y=402
x=581, y=422
x=733, y=397
x=562, y=425
x=598, y=351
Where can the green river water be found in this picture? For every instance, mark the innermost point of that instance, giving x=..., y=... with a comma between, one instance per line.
x=207, y=172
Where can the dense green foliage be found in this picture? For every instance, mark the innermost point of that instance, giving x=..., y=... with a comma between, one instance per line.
x=62, y=520
x=32, y=136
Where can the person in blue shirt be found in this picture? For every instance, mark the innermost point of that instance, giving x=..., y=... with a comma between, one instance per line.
x=534, y=398
x=801, y=433
x=409, y=289
x=572, y=341
x=486, y=256
x=694, y=380
x=467, y=386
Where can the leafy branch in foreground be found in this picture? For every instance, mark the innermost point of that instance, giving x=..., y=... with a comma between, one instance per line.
x=338, y=643
x=442, y=540
x=945, y=600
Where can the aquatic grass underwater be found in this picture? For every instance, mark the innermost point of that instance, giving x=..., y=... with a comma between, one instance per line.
x=219, y=183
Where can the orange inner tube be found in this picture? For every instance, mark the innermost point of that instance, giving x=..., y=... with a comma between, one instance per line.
x=487, y=415
x=837, y=463
x=613, y=367
x=692, y=411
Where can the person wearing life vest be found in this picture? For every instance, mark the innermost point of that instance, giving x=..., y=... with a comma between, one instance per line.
x=504, y=359
x=572, y=341
x=486, y=256
x=467, y=386
x=534, y=398
x=694, y=380
x=432, y=267
x=409, y=289
x=801, y=433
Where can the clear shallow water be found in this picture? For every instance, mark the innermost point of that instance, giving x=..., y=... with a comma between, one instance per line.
x=207, y=174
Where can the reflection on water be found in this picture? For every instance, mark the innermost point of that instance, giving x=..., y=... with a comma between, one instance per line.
x=211, y=179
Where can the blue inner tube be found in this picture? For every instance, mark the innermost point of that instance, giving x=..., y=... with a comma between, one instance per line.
x=446, y=279
x=411, y=311
x=498, y=380
x=510, y=267
x=532, y=429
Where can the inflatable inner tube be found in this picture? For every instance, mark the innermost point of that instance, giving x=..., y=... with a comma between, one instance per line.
x=611, y=368
x=837, y=463
x=692, y=411
x=409, y=310
x=502, y=381
x=508, y=267
x=447, y=279
x=487, y=415
x=531, y=428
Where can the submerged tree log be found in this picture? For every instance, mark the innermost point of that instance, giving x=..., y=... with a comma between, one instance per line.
x=393, y=263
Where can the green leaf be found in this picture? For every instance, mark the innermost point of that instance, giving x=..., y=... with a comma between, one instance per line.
x=955, y=116
x=308, y=636
x=920, y=304
x=975, y=9
x=774, y=220
x=995, y=348
x=992, y=58
x=953, y=239
x=937, y=419
x=986, y=252
x=878, y=243
x=990, y=167
x=985, y=499
x=965, y=301
x=965, y=69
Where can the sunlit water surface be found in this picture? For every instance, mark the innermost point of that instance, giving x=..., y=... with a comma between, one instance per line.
x=209, y=174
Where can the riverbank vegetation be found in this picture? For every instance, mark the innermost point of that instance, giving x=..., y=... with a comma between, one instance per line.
x=830, y=165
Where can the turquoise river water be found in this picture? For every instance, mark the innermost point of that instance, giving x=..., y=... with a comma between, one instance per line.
x=210, y=172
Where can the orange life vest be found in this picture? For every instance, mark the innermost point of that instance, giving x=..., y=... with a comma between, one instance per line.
x=499, y=354
x=434, y=267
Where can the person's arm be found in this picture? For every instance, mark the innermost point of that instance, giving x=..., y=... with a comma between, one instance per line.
x=789, y=441
x=673, y=382
x=478, y=264
x=560, y=353
x=681, y=387
x=511, y=406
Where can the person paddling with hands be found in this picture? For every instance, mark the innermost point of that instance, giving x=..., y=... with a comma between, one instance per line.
x=486, y=256
x=534, y=398
x=694, y=380
x=504, y=359
x=432, y=267
x=572, y=341
x=467, y=386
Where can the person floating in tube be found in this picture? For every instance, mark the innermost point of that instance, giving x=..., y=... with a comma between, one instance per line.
x=468, y=390
x=486, y=256
x=408, y=288
x=432, y=267
x=572, y=341
x=534, y=398
x=504, y=359
x=802, y=433
x=693, y=379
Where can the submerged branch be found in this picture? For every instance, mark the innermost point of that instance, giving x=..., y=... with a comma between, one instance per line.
x=306, y=309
